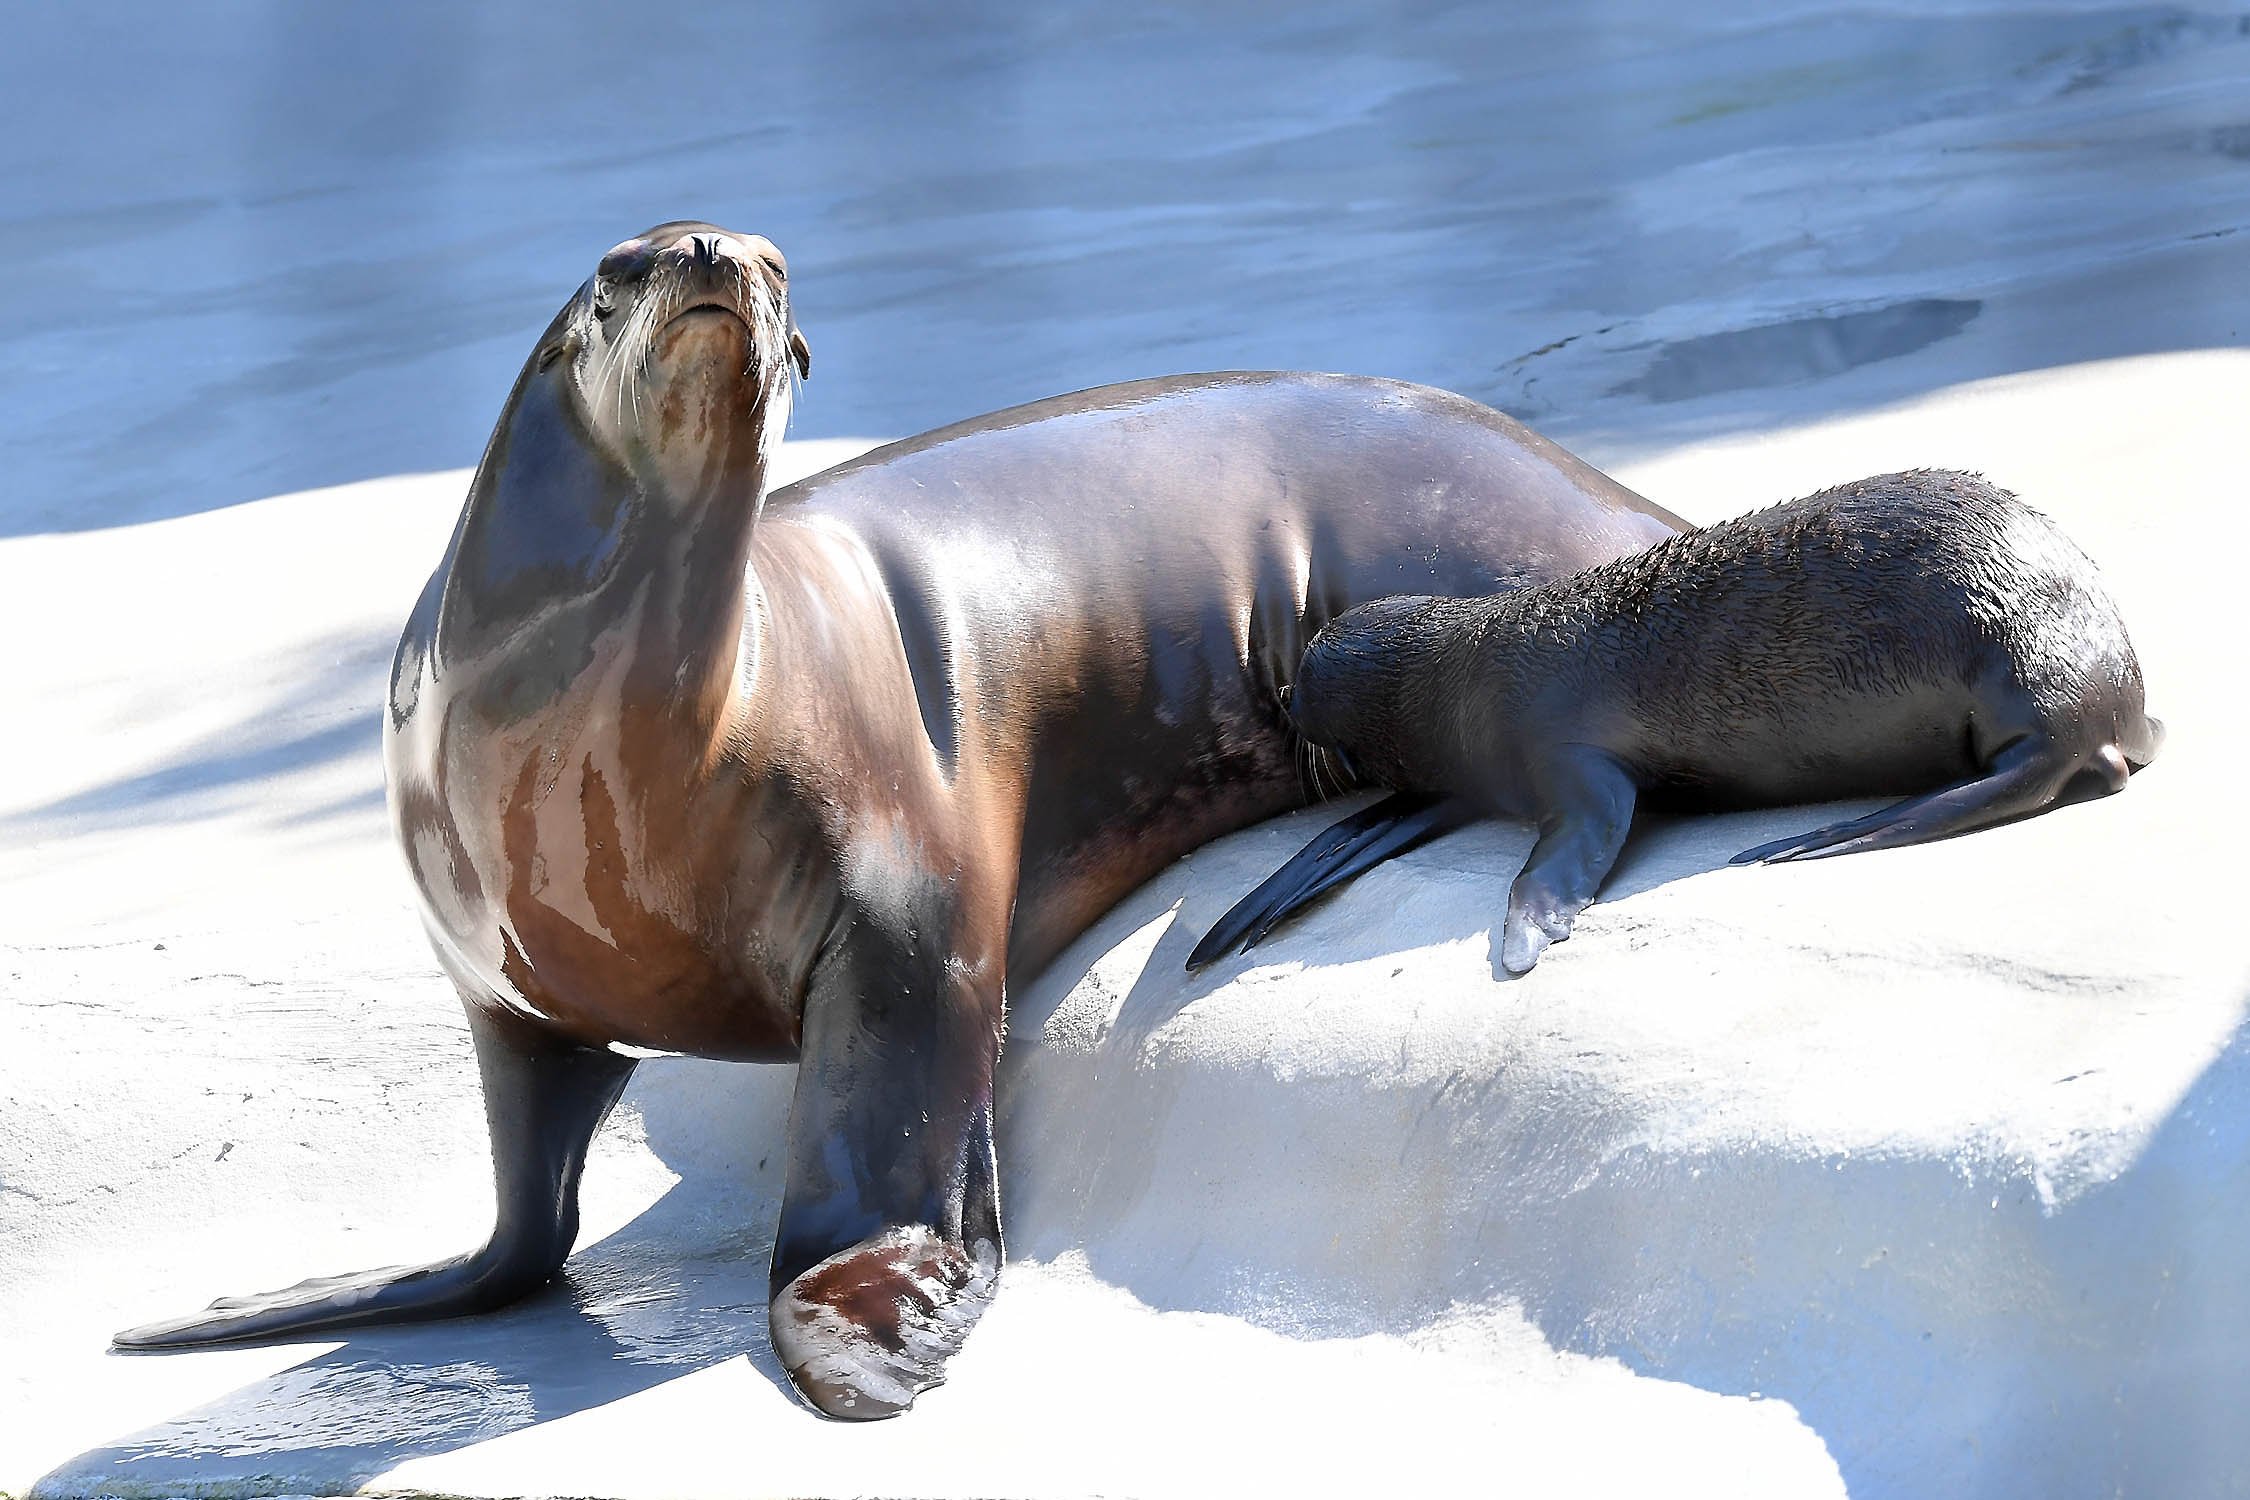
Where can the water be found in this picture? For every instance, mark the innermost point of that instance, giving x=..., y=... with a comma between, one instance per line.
x=254, y=248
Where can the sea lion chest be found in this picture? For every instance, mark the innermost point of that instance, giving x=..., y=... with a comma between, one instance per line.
x=592, y=861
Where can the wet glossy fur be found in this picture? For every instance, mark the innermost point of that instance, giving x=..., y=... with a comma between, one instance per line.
x=678, y=768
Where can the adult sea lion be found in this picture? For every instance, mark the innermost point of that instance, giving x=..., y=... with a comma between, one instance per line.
x=1897, y=634
x=677, y=774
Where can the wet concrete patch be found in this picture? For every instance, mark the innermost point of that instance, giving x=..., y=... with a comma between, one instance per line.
x=1800, y=349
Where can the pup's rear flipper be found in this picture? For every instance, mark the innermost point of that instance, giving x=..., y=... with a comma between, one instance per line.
x=2023, y=778
x=1398, y=823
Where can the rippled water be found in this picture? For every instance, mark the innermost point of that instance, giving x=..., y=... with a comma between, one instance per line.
x=276, y=246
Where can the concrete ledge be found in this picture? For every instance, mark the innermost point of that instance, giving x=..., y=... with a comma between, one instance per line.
x=1915, y=1173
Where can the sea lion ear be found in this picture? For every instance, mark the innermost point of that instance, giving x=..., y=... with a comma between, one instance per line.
x=801, y=352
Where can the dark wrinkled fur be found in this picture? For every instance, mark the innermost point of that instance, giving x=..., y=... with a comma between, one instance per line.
x=1881, y=637
x=1919, y=633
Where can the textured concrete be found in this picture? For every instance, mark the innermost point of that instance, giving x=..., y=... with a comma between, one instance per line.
x=1920, y=1171
x=1914, y=1174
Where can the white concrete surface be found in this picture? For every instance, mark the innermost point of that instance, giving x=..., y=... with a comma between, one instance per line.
x=1923, y=1169
x=232, y=1062
x=1945, y=1147
x=1923, y=1173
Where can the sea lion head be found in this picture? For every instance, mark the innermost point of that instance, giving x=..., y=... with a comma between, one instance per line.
x=1353, y=682
x=676, y=355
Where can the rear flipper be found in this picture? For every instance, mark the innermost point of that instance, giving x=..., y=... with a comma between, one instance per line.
x=1589, y=801
x=543, y=1102
x=2023, y=778
x=1391, y=827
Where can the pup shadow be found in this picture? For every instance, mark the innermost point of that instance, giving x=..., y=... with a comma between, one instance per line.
x=1386, y=908
x=1342, y=927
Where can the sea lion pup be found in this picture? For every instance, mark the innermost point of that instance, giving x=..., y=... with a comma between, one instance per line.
x=678, y=768
x=1896, y=634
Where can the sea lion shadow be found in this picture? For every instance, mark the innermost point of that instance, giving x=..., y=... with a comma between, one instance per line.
x=1457, y=886
x=342, y=1419
x=679, y=1287
x=1448, y=890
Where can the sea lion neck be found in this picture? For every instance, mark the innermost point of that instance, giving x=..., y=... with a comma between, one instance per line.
x=571, y=573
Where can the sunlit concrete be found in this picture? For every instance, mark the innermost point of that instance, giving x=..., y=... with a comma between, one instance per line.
x=1922, y=1173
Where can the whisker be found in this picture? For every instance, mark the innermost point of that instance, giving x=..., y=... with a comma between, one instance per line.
x=767, y=364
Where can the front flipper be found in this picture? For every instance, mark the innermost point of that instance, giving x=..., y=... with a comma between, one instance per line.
x=1587, y=799
x=543, y=1101
x=889, y=1245
x=2022, y=778
x=1391, y=827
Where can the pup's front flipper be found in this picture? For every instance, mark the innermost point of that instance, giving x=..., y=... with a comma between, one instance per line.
x=1400, y=822
x=2022, y=778
x=1587, y=808
x=889, y=1244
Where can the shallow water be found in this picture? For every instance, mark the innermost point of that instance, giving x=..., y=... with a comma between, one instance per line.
x=271, y=247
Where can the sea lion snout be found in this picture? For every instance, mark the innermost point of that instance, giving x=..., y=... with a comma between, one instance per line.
x=684, y=343
x=688, y=266
x=687, y=243
x=1308, y=698
x=1341, y=663
x=711, y=255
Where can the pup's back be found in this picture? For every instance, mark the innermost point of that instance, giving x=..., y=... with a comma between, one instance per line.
x=1875, y=637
